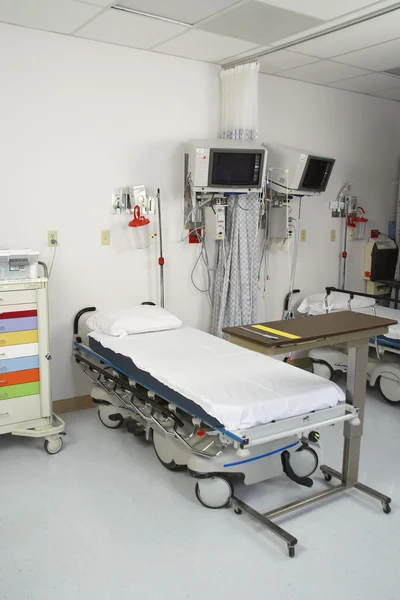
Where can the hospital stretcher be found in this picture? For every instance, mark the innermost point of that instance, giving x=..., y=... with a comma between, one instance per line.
x=215, y=408
x=383, y=364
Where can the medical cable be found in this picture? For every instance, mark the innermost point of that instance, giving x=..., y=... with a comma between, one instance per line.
x=55, y=246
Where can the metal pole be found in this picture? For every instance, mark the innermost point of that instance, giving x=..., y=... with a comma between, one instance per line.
x=161, y=257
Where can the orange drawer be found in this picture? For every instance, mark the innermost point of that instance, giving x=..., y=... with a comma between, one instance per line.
x=17, y=377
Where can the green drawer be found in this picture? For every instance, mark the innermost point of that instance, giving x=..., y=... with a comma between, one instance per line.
x=17, y=391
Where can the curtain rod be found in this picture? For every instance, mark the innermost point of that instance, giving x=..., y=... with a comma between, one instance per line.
x=312, y=36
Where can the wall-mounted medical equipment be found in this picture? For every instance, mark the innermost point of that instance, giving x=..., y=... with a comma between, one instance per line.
x=280, y=220
x=357, y=224
x=215, y=222
x=140, y=227
x=298, y=172
x=380, y=261
x=19, y=264
x=124, y=200
x=227, y=166
x=25, y=386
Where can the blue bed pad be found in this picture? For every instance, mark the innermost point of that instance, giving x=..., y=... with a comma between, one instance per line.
x=124, y=365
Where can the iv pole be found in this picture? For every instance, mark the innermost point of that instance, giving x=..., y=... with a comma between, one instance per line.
x=161, y=260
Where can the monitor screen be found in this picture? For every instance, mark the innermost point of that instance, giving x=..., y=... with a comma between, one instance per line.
x=236, y=169
x=316, y=175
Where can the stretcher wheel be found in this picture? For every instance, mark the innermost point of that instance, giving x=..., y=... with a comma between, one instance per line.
x=304, y=461
x=327, y=477
x=322, y=370
x=110, y=423
x=214, y=492
x=292, y=551
x=387, y=509
x=162, y=448
x=238, y=511
x=54, y=445
x=390, y=390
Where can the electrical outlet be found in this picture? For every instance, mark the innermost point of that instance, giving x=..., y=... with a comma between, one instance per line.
x=52, y=238
x=154, y=238
x=333, y=235
x=303, y=235
x=105, y=237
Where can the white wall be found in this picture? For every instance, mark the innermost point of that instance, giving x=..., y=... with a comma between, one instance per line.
x=78, y=118
x=363, y=134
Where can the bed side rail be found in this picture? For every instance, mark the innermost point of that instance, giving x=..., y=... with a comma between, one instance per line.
x=352, y=294
x=78, y=316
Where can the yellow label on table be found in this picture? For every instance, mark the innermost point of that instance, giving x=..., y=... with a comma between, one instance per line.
x=276, y=332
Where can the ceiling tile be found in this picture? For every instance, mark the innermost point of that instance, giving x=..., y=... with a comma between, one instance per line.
x=323, y=72
x=181, y=10
x=202, y=45
x=62, y=16
x=283, y=60
x=376, y=58
x=102, y=3
x=259, y=23
x=374, y=31
x=127, y=29
x=249, y=53
x=322, y=9
x=389, y=94
x=368, y=84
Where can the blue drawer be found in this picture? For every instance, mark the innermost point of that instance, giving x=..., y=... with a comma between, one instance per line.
x=23, y=324
x=19, y=364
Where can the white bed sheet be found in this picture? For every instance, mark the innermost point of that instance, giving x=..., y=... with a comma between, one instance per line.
x=238, y=387
x=315, y=305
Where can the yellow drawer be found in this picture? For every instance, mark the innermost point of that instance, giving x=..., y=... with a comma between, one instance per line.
x=17, y=297
x=18, y=337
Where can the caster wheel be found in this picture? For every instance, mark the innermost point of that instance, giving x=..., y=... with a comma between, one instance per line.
x=238, y=511
x=387, y=509
x=214, y=492
x=136, y=429
x=304, y=461
x=390, y=390
x=327, y=477
x=110, y=423
x=53, y=445
x=164, y=453
x=292, y=551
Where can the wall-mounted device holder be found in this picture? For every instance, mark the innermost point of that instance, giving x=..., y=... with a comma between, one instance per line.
x=124, y=200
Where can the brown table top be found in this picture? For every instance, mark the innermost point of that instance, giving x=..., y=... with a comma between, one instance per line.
x=309, y=329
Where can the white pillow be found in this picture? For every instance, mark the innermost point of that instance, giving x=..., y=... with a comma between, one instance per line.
x=315, y=305
x=138, y=319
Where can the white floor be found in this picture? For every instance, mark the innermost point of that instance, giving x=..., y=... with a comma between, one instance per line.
x=104, y=520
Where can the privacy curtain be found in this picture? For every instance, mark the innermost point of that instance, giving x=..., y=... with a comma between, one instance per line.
x=235, y=284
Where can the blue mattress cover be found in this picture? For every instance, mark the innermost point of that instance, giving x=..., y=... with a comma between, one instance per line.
x=126, y=366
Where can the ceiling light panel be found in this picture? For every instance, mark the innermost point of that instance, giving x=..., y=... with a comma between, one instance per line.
x=368, y=84
x=61, y=16
x=202, y=45
x=321, y=9
x=259, y=23
x=186, y=11
x=127, y=29
x=349, y=39
x=389, y=94
x=283, y=60
x=323, y=72
x=377, y=58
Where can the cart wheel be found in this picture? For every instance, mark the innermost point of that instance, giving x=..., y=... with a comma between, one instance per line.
x=53, y=445
x=214, y=492
x=238, y=511
x=327, y=477
x=390, y=390
x=162, y=449
x=387, y=509
x=110, y=423
x=292, y=551
x=304, y=461
x=136, y=429
x=323, y=370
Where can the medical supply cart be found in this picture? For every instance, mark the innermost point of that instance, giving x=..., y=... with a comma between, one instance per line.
x=25, y=386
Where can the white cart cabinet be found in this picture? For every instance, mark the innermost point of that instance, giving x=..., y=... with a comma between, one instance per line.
x=25, y=387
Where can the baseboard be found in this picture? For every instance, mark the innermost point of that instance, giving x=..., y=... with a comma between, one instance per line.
x=72, y=404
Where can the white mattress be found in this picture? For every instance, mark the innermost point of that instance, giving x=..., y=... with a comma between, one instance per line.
x=238, y=387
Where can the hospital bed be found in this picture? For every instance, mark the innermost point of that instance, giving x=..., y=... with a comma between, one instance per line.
x=210, y=406
x=383, y=364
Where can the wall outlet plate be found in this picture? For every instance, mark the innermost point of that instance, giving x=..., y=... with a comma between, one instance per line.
x=303, y=235
x=333, y=235
x=105, y=237
x=52, y=238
